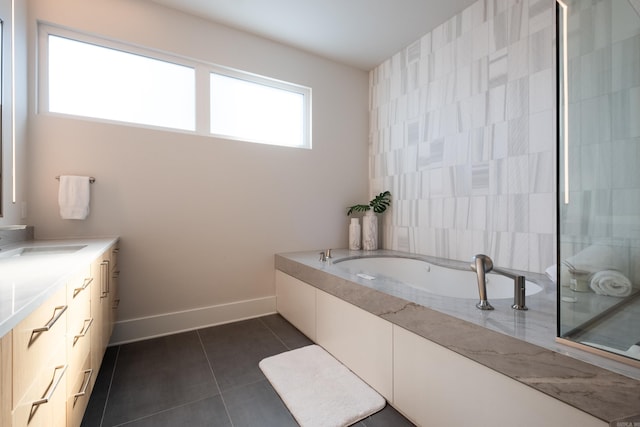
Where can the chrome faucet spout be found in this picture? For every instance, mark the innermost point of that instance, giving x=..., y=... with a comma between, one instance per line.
x=482, y=264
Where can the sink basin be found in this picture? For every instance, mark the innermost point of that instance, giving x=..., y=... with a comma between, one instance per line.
x=41, y=250
x=431, y=278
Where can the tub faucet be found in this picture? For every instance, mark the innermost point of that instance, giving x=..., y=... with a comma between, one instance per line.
x=325, y=255
x=482, y=264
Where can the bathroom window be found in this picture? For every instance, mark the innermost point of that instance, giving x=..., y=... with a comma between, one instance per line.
x=89, y=80
x=93, y=78
x=260, y=110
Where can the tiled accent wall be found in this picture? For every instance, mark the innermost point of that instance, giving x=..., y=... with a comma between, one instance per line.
x=463, y=135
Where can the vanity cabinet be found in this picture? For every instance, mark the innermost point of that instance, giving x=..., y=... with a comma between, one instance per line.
x=81, y=375
x=40, y=365
x=50, y=360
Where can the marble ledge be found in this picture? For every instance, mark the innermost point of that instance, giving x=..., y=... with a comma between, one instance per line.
x=605, y=394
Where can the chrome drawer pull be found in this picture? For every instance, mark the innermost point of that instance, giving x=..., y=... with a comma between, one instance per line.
x=58, y=311
x=52, y=386
x=84, y=286
x=85, y=384
x=84, y=330
x=104, y=274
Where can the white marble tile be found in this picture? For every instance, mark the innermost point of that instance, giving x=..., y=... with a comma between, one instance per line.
x=498, y=68
x=541, y=91
x=498, y=213
x=518, y=59
x=498, y=176
x=480, y=76
x=518, y=136
x=479, y=114
x=596, y=120
x=498, y=37
x=519, y=213
x=541, y=50
x=542, y=251
x=478, y=213
x=542, y=213
x=496, y=104
x=518, y=23
x=517, y=98
x=518, y=174
x=500, y=143
x=480, y=41
x=542, y=132
x=542, y=172
x=625, y=106
x=541, y=15
x=464, y=47
x=480, y=178
x=626, y=158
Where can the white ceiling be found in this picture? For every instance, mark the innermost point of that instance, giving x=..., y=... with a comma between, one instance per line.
x=361, y=33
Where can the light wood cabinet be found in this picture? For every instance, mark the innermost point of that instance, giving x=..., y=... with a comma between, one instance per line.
x=80, y=376
x=49, y=361
x=6, y=393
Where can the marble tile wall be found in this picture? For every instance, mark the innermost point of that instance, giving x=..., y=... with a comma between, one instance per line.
x=463, y=135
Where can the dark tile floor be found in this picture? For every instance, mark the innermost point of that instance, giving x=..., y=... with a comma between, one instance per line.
x=208, y=377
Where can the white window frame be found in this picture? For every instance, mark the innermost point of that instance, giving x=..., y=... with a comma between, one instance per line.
x=202, y=69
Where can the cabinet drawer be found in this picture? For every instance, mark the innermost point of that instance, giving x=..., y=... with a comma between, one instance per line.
x=78, y=391
x=44, y=402
x=36, y=338
x=79, y=320
x=79, y=286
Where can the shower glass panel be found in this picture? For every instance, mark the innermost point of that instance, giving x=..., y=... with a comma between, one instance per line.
x=598, y=46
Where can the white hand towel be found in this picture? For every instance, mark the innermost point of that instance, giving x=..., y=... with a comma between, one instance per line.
x=611, y=283
x=73, y=197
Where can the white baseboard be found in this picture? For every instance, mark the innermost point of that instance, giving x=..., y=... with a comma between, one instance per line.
x=142, y=328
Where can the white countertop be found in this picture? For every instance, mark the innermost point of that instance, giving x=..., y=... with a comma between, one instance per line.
x=28, y=281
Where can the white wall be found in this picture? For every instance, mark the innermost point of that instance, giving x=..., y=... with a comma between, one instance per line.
x=199, y=218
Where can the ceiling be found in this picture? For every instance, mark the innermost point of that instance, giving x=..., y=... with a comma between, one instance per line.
x=360, y=33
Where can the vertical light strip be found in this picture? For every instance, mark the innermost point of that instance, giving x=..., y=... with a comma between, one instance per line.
x=13, y=101
x=565, y=100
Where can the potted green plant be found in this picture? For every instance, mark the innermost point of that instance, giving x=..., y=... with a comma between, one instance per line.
x=377, y=205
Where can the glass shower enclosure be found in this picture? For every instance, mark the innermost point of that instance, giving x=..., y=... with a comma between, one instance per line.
x=598, y=58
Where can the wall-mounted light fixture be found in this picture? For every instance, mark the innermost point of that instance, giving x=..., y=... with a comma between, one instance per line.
x=565, y=98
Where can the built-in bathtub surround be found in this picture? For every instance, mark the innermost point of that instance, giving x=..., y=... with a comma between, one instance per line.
x=518, y=344
x=463, y=134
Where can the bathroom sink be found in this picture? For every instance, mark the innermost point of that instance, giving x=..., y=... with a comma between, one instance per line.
x=32, y=251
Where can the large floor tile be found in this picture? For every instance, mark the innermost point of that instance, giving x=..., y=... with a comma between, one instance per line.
x=291, y=337
x=234, y=351
x=156, y=374
x=95, y=408
x=257, y=405
x=203, y=413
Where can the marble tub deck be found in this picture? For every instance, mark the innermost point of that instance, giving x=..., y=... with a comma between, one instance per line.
x=518, y=344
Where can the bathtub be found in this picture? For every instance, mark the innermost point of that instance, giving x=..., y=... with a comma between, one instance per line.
x=432, y=278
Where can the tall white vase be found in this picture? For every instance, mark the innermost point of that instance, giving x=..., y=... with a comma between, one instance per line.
x=370, y=231
x=354, y=234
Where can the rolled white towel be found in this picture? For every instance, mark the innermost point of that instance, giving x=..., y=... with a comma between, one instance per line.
x=611, y=283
